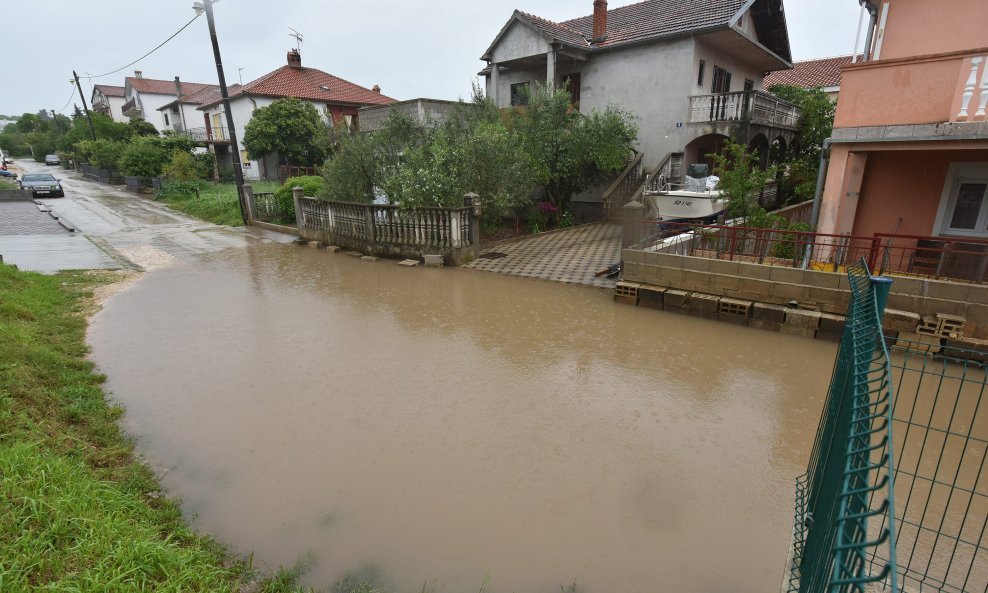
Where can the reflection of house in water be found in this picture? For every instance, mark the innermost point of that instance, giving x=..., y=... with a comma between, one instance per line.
x=688, y=70
x=910, y=140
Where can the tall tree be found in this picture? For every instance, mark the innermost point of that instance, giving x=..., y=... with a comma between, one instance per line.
x=290, y=127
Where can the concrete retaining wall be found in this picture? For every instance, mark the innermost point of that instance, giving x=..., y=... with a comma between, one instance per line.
x=825, y=292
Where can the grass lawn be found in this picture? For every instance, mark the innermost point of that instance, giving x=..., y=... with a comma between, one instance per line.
x=7, y=183
x=78, y=512
x=216, y=202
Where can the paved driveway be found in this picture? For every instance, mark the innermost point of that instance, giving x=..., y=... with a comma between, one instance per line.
x=571, y=255
x=24, y=218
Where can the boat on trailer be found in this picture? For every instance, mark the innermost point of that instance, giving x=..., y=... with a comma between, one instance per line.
x=696, y=200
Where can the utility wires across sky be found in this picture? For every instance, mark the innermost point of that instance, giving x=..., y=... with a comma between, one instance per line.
x=160, y=45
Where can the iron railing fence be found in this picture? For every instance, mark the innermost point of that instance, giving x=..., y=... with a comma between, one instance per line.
x=947, y=258
x=848, y=486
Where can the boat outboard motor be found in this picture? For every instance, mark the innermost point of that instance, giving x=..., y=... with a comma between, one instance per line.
x=696, y=177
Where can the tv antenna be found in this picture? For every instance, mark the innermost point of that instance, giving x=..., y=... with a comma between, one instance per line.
x=298, y=38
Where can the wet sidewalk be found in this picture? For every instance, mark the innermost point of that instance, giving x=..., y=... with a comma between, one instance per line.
x=572, y=255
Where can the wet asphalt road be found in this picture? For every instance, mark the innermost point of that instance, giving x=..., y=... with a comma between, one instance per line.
x=115, y=229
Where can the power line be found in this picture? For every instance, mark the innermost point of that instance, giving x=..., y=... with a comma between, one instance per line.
x=64, y=107
x=147, y=54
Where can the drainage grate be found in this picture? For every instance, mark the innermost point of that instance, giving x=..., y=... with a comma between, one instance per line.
x=492, y=255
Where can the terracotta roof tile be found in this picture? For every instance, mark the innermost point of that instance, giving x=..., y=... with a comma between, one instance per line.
x=809, y=74
x=109, y=90
x=646, y=20
x=162, y=87
x=310, y=84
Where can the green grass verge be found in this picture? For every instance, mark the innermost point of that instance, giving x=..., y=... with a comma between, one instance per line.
x=78, y=512
x=7, y=184
x=216, y=202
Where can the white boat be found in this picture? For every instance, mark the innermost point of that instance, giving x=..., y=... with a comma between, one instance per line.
x=696, y=200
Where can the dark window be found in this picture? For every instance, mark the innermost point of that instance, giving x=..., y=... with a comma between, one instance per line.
x=699, y=76
x=721, y=81
x=573, y=88
x=166, y=119
x=749, y=85
x=519, y=93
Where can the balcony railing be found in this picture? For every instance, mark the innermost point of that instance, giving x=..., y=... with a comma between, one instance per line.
x=745, y=106
x=213, y=134
x=131, y=107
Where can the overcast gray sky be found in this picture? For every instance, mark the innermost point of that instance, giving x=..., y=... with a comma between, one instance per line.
x=424, y=48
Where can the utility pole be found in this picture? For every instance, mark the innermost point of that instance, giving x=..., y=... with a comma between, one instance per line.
x=238, y=172
x=92, y=130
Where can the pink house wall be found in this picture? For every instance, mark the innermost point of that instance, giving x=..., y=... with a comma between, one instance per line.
x=921, y=27
x=905, y=183
x=879, y=94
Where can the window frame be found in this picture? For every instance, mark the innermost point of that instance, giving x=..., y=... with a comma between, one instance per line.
x=957, y=175
x=513, y=94
x=720, y=81
x=701, y=73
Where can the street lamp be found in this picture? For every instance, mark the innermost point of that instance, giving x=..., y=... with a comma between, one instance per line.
x=207, y=7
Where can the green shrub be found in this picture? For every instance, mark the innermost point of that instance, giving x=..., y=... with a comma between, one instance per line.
x=144, y=157
x=312, y=185
x=181, y=168
x=205, y=162
x=106, y=154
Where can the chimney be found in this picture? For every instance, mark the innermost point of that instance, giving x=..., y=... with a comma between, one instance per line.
x=376, y=89
x=138, y=74
x=178, y=88
x=599, y=20
x=294, y=59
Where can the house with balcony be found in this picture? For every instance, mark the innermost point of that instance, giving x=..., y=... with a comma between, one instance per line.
x=909, y=159
x=109, y=100
x=906, y=190
x=144, y=96
x=689, y=70
x=337, y=100
x=181, y=115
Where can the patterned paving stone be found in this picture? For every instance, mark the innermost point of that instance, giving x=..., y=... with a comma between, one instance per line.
x=24, y=218
x=571, y=256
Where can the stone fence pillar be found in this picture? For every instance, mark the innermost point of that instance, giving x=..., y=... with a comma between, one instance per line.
x=472, y=200
x=634, y=224
x=297, y=194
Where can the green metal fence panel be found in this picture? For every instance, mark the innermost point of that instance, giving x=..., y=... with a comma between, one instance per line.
x=910, y=414
x=848, y=486
x=940, y=423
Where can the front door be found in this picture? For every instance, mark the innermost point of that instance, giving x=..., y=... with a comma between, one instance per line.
x=218, y=127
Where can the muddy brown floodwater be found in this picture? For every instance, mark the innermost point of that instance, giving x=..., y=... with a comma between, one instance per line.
x=462, y=429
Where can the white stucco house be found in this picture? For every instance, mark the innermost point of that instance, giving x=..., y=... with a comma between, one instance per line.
x=336, y=99
x=182, y=114
x=143, y=97
x=109, y=99
x=690, y=70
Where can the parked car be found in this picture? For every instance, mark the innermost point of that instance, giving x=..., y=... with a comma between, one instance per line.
x=52, y=159
x=6, y=173
x=42, y=185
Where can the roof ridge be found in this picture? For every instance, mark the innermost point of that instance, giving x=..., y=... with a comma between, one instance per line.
x=615, y=9
x=841, y=56
x=561, y=25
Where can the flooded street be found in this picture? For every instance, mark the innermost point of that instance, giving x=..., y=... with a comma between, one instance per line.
x=462, y=429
